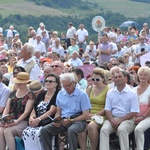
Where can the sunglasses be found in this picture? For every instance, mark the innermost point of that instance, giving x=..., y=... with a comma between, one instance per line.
x=56, y=66
x=97, y=79
x=15, y=73
x=49, y=81
x=125, y=56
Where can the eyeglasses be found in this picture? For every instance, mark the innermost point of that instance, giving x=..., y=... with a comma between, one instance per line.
x=125, y=56
x=49, y=81
x=56, y=66
x=14, y=73
x=67, y=85
x=97, y=79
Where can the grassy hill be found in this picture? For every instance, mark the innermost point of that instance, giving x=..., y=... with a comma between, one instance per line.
x=126, y=7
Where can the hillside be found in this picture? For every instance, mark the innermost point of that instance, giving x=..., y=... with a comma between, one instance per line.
x=125, y=7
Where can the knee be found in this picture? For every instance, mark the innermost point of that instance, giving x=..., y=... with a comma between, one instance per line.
x=43, y=131
x=92, y=127
x=120, y=130
x=104, y=130
x=138, y=130
x=1, y=132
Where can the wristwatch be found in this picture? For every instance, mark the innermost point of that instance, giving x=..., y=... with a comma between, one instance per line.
x=71, y=120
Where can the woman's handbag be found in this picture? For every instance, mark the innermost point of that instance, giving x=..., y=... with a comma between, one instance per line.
x=44, y=122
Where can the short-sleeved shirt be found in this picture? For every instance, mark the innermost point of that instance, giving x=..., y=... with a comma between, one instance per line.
x=72, y=104
x=122, y=103
x=4, y=94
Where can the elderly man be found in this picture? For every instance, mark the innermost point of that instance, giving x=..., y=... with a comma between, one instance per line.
x=4, y=94
x=58, y=48
x=75, y=61
x=27, y=61
x=40, y=46
x=73, y=106
x=121, y=107
x=57, y=67
x=33, y=40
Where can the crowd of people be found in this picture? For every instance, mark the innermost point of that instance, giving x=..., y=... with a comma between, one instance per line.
x=51, y=85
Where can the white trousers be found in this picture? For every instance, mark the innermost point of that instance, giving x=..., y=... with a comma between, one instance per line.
x=139, y=133
x=123, y=131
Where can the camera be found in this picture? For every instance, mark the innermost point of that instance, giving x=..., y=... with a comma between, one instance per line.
x=142, y=49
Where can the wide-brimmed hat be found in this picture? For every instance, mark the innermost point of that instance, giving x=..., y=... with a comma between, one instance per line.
x=22, y=77
x=35, y=86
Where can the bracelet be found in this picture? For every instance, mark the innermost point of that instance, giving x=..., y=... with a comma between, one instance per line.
x=39, y=118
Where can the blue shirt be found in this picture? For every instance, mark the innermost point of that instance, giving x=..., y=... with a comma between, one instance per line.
x=72, y=104
x=121, y=103
x=4, y=94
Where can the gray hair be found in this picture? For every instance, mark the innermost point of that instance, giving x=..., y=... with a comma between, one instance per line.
x=68, y=77
x=29, y=47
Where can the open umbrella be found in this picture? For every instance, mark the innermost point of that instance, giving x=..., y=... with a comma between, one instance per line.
x=129, y=23
x=14, y=32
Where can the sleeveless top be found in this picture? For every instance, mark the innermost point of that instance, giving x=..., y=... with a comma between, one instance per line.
x=98, y=102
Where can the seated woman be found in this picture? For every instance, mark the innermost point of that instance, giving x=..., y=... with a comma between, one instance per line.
x=44, y=106
x=143, y=118
x=19, y=105
x=16, y=70
x=97, y=94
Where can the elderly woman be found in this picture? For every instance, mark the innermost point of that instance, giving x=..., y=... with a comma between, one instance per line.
x=97, y=93
x=19, y=106
x=44, y=106
x=143, y=118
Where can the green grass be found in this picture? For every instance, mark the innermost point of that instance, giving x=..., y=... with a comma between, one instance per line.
x=126, y=7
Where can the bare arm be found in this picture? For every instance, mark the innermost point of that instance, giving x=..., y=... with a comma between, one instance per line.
x=106, y=52
x=1, y=110
x=140, y=54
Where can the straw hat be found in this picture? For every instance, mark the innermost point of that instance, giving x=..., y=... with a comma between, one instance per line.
x=35, y=86
x=22, y=77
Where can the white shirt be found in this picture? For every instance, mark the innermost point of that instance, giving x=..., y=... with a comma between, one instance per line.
x=75, y=62
x=1, y=30
x=33, y=41
x=40, y=47
x=9, y=33
x=59, y=50
x=4, y=94
x=138, y=50
x=82, y=34
x=35, y=71
x=39, y=32
x=121, y=103
x=71, y=32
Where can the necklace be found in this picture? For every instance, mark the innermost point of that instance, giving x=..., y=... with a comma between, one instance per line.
x=48, y=96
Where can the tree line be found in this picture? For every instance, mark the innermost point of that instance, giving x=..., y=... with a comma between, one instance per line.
x=21, y=23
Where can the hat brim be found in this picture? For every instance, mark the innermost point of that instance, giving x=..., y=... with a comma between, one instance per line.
x=35, y=90
x=20, y=81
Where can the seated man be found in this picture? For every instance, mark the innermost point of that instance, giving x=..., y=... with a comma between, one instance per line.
x=4, y=94
x=70, y=101
x=120, y=107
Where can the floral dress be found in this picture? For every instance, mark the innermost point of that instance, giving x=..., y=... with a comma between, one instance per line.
x=17, y=105
x=31, y=135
